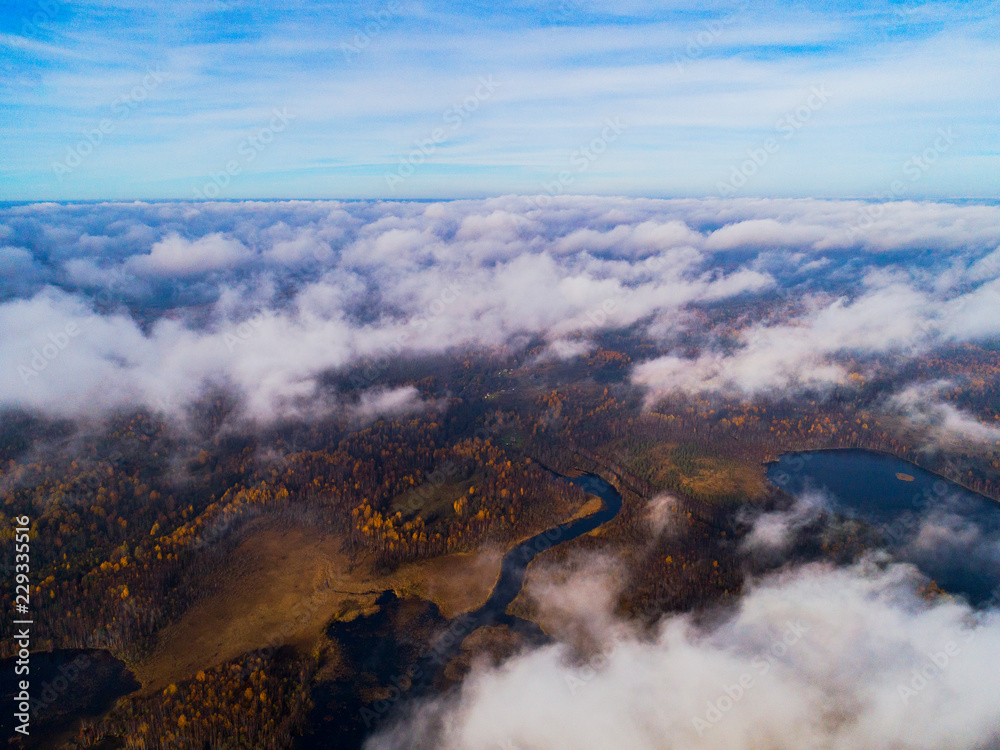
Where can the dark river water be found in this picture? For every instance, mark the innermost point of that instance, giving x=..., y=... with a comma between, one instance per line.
x=412, y=666
x=515, y=562
x=66, y=685
x=951, y=533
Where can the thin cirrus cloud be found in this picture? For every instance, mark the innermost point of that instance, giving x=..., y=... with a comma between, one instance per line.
x=697, y=88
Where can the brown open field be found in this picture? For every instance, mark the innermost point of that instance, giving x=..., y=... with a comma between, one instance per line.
x=281, y=586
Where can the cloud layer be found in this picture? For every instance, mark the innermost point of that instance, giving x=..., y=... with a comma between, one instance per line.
x=816, y=657
x=112, y=303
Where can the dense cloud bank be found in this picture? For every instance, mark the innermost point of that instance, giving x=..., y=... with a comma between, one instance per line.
x=811, y=656
x=814, y=657
x=105, y=304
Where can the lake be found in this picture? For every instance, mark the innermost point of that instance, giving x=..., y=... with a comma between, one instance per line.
x=951, y=533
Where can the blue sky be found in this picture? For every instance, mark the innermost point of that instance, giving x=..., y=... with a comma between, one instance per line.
x=397, y=99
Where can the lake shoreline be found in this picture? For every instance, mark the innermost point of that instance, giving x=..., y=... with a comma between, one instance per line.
x=903, y=502
x=878, y=452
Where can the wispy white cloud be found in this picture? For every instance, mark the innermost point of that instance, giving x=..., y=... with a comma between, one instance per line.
x=924, y=404
x=695, y=96
x=775, y=358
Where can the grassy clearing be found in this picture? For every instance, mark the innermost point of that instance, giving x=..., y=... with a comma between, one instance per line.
x=283, y=585
x=694, y=470
x=433, y=501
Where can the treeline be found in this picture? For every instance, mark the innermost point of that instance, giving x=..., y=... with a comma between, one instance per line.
x=122, y=548
x=508, y=499
x=257, y=701
x=127, y=522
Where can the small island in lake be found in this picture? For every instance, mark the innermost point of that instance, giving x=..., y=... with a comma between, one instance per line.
x=904, y=477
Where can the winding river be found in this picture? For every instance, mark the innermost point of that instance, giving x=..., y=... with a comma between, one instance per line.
x=513, y=569
x=377, y=649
